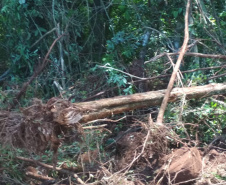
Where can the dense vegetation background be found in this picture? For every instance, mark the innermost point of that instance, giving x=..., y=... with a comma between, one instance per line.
x=102, y=43
x=117, y=34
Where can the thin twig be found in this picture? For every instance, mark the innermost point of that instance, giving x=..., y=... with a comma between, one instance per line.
x=104, y=120
x=218, y=76
x=95, y=127
x=132, y=76
x=47, y=33
x=139, y=155
x=202, y=55
x=36, y=73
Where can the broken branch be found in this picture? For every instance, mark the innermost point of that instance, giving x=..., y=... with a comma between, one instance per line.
x=176, y=68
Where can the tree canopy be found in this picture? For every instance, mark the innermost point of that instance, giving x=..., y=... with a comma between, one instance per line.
x=117, y=34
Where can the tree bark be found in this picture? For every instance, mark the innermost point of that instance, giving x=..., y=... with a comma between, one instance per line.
x=88, y=111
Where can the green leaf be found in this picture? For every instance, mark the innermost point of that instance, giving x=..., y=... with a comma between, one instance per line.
x=42, y=29
x=175, y=14
x=4, y=9
x=36, y=32
x=21, y=1
x=110, y=45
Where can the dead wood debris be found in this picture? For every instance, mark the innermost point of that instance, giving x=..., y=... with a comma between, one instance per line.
x=52, y=168
x=34, y=129
x=141, y=151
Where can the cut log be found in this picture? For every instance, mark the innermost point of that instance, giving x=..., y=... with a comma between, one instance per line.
x=88, y=111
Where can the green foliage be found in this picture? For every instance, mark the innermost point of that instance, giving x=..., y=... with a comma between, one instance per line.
x=114, y=34
x=124, y=45
x=11, y=168
x=207, y=117
x=115, y=78
x=220, y=177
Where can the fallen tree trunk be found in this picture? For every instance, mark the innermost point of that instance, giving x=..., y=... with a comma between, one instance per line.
x=38, y=126
x=71, y=114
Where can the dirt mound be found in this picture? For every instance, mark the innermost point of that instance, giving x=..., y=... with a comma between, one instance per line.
x=128, y=147
x=141, y=152
x=182, y=165
x=185, y=166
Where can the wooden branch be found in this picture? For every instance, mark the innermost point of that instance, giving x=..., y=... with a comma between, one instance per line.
x=188, y=71
x=36, y=73
x=5, y=74
x=202, y=55
x=176, y=68
x=218, y=76
x=38, y=176
x=95, y=127
x=52, y=168
x=148, y=79
x=47, y=33
x=128, y=74
x=103, y=108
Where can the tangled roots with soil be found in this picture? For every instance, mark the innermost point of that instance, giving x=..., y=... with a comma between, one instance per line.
x=33, y=128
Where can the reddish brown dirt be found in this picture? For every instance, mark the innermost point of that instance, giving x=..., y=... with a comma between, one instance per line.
x=129, y=147
x=185, y=166
x=182, y=165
